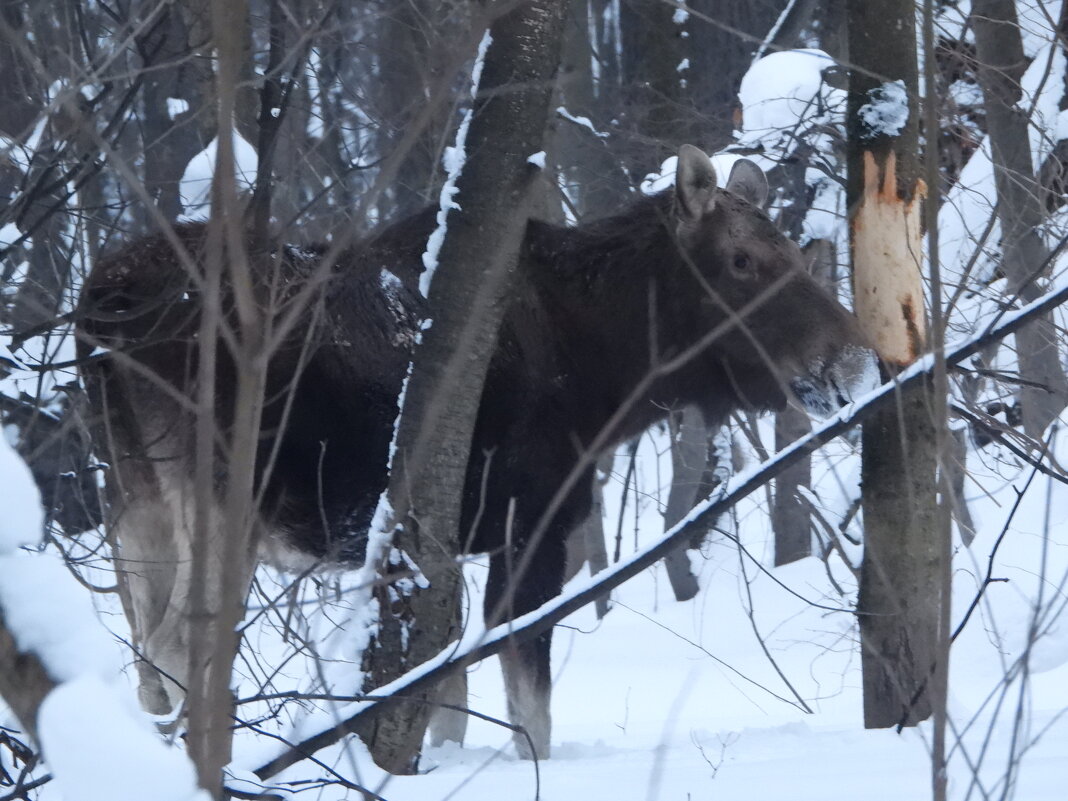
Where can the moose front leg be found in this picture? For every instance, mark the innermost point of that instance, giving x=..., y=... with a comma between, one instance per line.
x=527, y=677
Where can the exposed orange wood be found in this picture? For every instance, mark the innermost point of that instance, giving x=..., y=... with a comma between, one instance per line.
x=887, y=263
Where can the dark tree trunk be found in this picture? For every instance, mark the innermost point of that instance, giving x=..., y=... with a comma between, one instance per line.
x=480, y=249
x=689, y=461
x=1000, y=65
x=410, y=41
x=595, y=179
x=656, y=113
x=900, y=576
x=721, y=57
x=790, y=519
x=172, y=72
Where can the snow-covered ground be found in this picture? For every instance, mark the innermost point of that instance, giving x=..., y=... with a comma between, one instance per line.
x=668, y=700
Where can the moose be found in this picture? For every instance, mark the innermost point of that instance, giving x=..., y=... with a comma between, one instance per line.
x=698, y=277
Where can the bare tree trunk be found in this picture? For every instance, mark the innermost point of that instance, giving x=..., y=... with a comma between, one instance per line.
x=223, y=544
x=24, y=682
x=409, y=54
x=171, y=136
x=595, y=179
x=790, y=519
x=899, y=598
x=721, y=56
x=477, y=257
x=1000, y=66
x=656, y=113
x=689, y=460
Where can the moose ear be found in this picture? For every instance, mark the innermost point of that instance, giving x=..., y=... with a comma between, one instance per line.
x=695, y=182
x=748, y=182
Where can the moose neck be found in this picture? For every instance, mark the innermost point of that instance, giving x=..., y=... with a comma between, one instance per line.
x=613, y=313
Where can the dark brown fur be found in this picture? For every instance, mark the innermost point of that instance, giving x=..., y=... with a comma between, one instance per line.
x=592, y=310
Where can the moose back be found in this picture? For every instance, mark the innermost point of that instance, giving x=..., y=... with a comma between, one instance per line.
x=687, y=297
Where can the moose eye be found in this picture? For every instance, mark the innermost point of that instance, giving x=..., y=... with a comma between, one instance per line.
x=741, y=262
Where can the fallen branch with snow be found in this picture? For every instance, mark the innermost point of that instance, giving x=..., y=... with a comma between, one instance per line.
x=700, y=518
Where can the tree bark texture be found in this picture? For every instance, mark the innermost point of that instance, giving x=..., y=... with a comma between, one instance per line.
x=720, y=58
x=596, y=181
x=898, y=604
x=477, y=257
x=689, y=462
x=24, y=682
x=1000, y=64
x=657, y=115
x=169, y=48
x=791, y=522
x=223, y=542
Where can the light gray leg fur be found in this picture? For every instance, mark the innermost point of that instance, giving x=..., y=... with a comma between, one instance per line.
x=450, y=725
x=529, y=698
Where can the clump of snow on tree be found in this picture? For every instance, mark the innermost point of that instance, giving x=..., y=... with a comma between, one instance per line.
x=886, y=113
x=784, y=92
x=785, y=102
x=583, y=122
x=195, y=187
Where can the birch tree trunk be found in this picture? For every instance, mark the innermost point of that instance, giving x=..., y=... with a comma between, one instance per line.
x=479, y=253
x=899, y=596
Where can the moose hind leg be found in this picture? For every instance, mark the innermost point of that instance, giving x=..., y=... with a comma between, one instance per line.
x=528, y=684
x=527, y=676
x=447, y=723
x=148, y=557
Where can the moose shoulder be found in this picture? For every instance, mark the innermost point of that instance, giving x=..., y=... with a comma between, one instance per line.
x=691, y=297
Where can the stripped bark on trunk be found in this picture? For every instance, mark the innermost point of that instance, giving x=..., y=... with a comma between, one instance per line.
x=898, y=604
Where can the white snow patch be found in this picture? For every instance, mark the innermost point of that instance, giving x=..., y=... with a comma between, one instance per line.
x=581, y=121
x=1042, y=94
x=1061, y=131
x=537, y=159
x=781, y=89
x=195, y=187
x=176, y=106
x=99, y=749
x=22, y=520
x=680, y=16
x=886, y=113
x=50, y=614
x=9, y=233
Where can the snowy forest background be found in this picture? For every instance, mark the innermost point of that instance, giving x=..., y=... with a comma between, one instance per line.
x=345, y=116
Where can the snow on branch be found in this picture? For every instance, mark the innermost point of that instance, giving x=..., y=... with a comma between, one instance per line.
x=699, y=518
